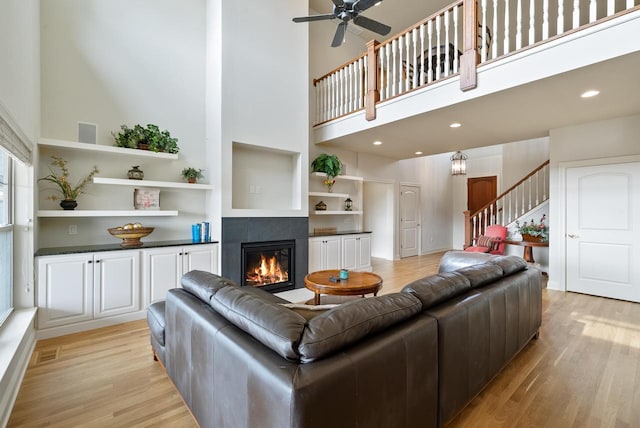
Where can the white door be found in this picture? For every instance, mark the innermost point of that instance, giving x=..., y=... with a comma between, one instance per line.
x=409, y=220
x=116, y=283
x=316, y=247
x=603, y=230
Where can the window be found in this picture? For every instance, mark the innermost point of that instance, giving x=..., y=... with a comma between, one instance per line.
x=6, y=238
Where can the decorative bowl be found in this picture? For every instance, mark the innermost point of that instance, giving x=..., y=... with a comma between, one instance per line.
x=130, y=237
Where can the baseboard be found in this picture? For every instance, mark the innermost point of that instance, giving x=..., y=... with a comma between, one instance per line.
x=18, y=341
x=90, y=325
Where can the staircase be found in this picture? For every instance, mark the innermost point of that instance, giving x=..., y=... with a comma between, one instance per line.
x=518, y=200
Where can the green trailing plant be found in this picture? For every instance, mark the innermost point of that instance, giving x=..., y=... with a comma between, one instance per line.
x=59, y=175
x=146, y=138
x=191, y=174
x=329, y=164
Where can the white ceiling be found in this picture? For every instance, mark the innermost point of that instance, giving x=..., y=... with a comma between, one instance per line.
x=500, y=117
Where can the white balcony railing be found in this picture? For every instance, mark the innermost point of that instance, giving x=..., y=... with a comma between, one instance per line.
x=453, y=42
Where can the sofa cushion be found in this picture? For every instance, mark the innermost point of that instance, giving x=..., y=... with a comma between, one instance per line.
x=203, y=284
x=308, y=311
x=510, y=264
x=453, y=260
x=435, y=289
x=352, y=321
x=482, y=274
x=275, y=326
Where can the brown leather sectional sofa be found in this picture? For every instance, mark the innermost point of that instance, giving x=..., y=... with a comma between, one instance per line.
x=241, y=358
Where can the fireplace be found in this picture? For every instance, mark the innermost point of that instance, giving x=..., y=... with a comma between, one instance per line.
x=237, y=232
x=268, y=265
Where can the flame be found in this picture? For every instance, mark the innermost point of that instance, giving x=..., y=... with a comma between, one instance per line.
x=267, y=272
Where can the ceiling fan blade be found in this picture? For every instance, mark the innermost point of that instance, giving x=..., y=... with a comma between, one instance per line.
x=370, y=24
x=338, y=38
x=314, y=18
x=362, y=5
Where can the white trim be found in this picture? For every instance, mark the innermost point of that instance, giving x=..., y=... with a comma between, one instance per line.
x=562, y=208
x=90, y=324
x=18, y=339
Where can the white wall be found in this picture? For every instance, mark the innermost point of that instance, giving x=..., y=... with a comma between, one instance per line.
x=596, y=140
x=263, y=90
x=122, y=62
x=522, y=157
x=379, y=216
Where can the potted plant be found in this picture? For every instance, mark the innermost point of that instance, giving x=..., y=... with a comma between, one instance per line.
x=533, y=232
x=146, y=138
x=61, y=178
x=192, y=174
x=329, y=164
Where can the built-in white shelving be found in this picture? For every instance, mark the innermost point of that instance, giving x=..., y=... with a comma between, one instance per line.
x=73, y=145
x=329, y=195
x=339, y=177
x=107, y=213
x=151, y=183
x=337, y=212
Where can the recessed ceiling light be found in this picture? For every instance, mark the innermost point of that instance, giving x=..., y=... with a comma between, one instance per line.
x=589, y=94
x=455, y=125
x=418, y=153
x=377, y=143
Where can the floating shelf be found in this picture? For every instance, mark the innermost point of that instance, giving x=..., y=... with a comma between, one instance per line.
x=329, y=195
x=337, y=212
x=73, y=145
x=107, y=213
x=339, y=177
x=150, y=183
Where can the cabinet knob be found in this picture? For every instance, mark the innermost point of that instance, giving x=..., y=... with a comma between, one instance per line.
x=97, y=261
x=90, y=261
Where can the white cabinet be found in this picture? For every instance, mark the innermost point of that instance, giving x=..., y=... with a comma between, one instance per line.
x=116, y=283
x=82, y=287
x=163, y=267
x=77, y=292
x=351, y=252
x=324, y=253
x=356, y=252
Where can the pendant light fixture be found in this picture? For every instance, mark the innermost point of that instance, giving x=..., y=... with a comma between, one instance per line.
x=459, y=163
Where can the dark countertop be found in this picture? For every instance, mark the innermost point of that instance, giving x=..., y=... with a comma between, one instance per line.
x=55, y=251
x=340, y=232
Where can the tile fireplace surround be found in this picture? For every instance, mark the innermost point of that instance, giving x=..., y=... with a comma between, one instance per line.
x=239, y=230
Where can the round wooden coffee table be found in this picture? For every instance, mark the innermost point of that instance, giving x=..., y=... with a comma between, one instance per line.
x=359, y=283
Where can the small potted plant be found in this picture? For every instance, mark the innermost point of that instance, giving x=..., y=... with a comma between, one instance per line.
x=533, y=232
x=192, y=174
x=61, y=178
x=329, y=164
x=146, y=138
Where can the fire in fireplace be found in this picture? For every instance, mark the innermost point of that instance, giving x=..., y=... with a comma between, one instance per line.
x=268, y=265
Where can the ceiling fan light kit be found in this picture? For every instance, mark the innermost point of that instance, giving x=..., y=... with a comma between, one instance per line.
x=349, y=10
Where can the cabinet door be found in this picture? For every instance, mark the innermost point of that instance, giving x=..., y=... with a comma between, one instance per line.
x=65, y=290
x=162, y=268
x=200, y=257
x=116, y=283
x=332, y=252
x=364, y=252
x=316, y=248
x=350, y=252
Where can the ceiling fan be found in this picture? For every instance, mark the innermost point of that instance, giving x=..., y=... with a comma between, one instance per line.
x=349, y=10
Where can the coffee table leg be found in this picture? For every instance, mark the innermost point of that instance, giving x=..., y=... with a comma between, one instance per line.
x=316, y=299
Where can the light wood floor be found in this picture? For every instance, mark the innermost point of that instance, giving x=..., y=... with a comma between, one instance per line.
x=584, y=371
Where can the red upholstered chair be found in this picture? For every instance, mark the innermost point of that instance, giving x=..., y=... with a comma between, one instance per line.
x=491, y=242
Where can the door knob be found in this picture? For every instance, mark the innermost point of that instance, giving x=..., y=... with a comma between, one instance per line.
x=571, y=235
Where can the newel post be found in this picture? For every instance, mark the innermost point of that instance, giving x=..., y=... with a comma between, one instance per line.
x=373, y=94
x=467, y=229
x=470, y=57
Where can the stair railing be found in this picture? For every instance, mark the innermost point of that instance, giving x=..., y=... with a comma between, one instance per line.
x=520, y=198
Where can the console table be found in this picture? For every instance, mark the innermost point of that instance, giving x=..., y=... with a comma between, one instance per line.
x=528, y=248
